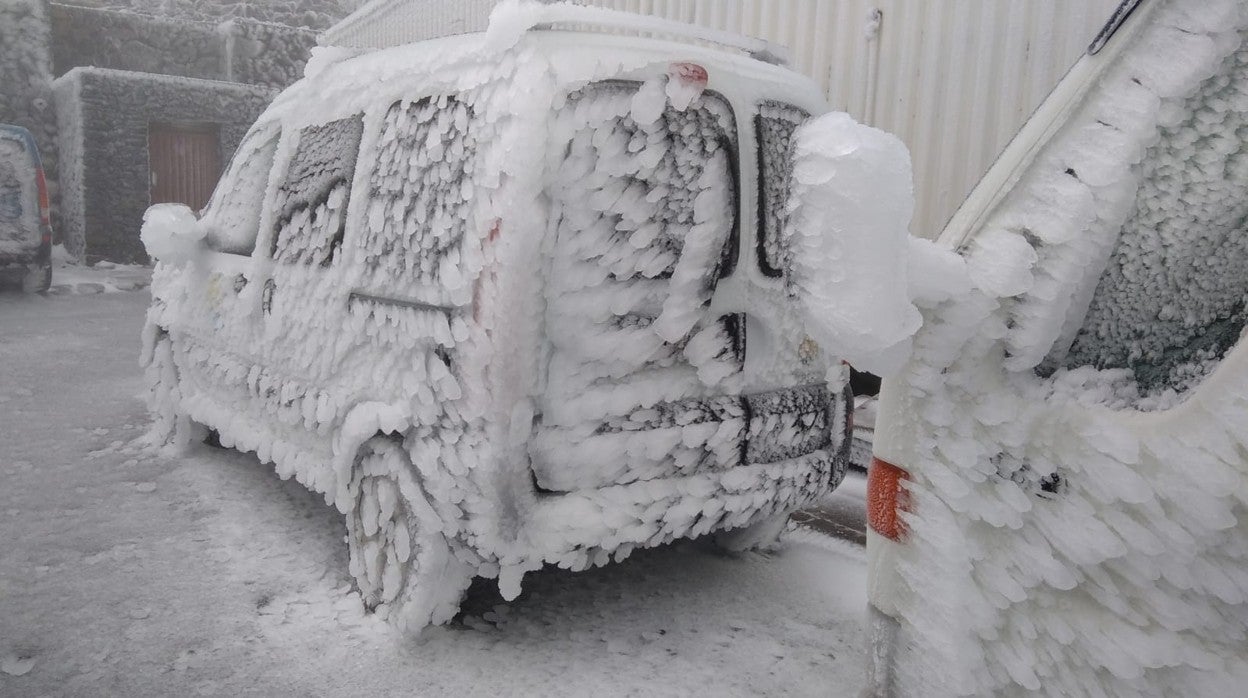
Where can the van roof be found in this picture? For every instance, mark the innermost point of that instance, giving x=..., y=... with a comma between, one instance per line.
x=341, y=81
x=9, y=132
x=387, y=23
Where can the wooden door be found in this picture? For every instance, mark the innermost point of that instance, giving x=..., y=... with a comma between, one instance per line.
x=184, y=163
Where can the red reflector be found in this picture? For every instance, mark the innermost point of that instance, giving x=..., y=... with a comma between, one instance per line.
x=886, y=499
x=42, y=183
x=689, y=73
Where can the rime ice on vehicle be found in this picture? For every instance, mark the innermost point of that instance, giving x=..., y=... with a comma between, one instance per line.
x=312, y=200
x=1171, y=302
x=421, y=187
x=645, y=209
x=502, y=311
x=775, y=124
x=1062, y=539
x=232, y=216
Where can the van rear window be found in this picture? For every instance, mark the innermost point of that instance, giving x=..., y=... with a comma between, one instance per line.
x=311, y=203
x=19, y=208
x=774, y=125
x=421, y=187
x=233, y=214
x=632, y=192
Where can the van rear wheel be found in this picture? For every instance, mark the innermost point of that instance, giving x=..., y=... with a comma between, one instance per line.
x=401, y=561
x=38, y=279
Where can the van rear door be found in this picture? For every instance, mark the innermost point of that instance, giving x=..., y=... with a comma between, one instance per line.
x=20, y=228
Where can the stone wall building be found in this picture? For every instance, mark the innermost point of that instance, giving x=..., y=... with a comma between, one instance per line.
x=132, y=109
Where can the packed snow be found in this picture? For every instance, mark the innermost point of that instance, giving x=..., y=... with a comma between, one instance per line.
x=1062, y=539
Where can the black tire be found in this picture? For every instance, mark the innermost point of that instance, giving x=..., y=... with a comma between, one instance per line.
x=38, y=279
x=401, y=562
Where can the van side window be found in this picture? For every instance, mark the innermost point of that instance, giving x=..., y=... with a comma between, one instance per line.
x=774, y=125
x=232, y=216
x=311, y=203
x=420, y=187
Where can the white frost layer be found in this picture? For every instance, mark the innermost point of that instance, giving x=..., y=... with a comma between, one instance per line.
x=1057, y=546
x=852, y=185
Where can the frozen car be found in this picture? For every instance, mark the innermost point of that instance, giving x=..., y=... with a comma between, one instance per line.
x=521, y=297
x=25, y=227
x=1058, y=502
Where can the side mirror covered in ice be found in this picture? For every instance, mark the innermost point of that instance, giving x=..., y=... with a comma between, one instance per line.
x=849, y=212
x=172, y=233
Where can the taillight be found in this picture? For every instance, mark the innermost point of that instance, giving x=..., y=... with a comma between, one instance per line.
x=690, y=74
x=686, y=81
x=887, y=499
x=495, y=230
x=44, y=214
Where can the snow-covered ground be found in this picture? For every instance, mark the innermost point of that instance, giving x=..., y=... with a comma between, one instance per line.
x=70, y=277
x=124, y=571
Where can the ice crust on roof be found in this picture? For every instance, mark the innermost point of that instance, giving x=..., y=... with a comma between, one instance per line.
x=1061, y=542
x=529, y=308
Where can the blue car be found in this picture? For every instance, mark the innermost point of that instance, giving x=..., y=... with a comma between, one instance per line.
x=25, y=226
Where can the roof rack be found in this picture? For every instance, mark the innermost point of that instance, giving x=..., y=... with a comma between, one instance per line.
x=382, y=23
x=566, y=16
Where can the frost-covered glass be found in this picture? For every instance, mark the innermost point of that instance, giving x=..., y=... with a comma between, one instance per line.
x=774, y=125
x=311, y=203
x=1172, y=299
x=421, y=187
x=233, y=214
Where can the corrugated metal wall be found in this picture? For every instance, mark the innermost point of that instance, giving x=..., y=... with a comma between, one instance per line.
x=383, y=23
x=955, y=79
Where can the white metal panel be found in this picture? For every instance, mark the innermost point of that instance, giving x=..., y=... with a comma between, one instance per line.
x=954, y=79
x=382, y=23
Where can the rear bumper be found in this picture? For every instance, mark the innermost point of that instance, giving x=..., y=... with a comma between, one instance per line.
x=692, y=436
x=35, y=256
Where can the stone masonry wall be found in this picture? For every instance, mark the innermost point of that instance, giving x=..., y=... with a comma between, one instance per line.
x=115, y=109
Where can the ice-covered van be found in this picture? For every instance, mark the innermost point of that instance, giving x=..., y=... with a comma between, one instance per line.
x=25, y=226
x=1059, y=499
x=521, y=297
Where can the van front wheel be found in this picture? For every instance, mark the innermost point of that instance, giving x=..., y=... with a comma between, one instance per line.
x=401, y=561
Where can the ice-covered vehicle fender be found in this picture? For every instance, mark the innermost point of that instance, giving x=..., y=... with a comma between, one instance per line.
x=364, y=421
